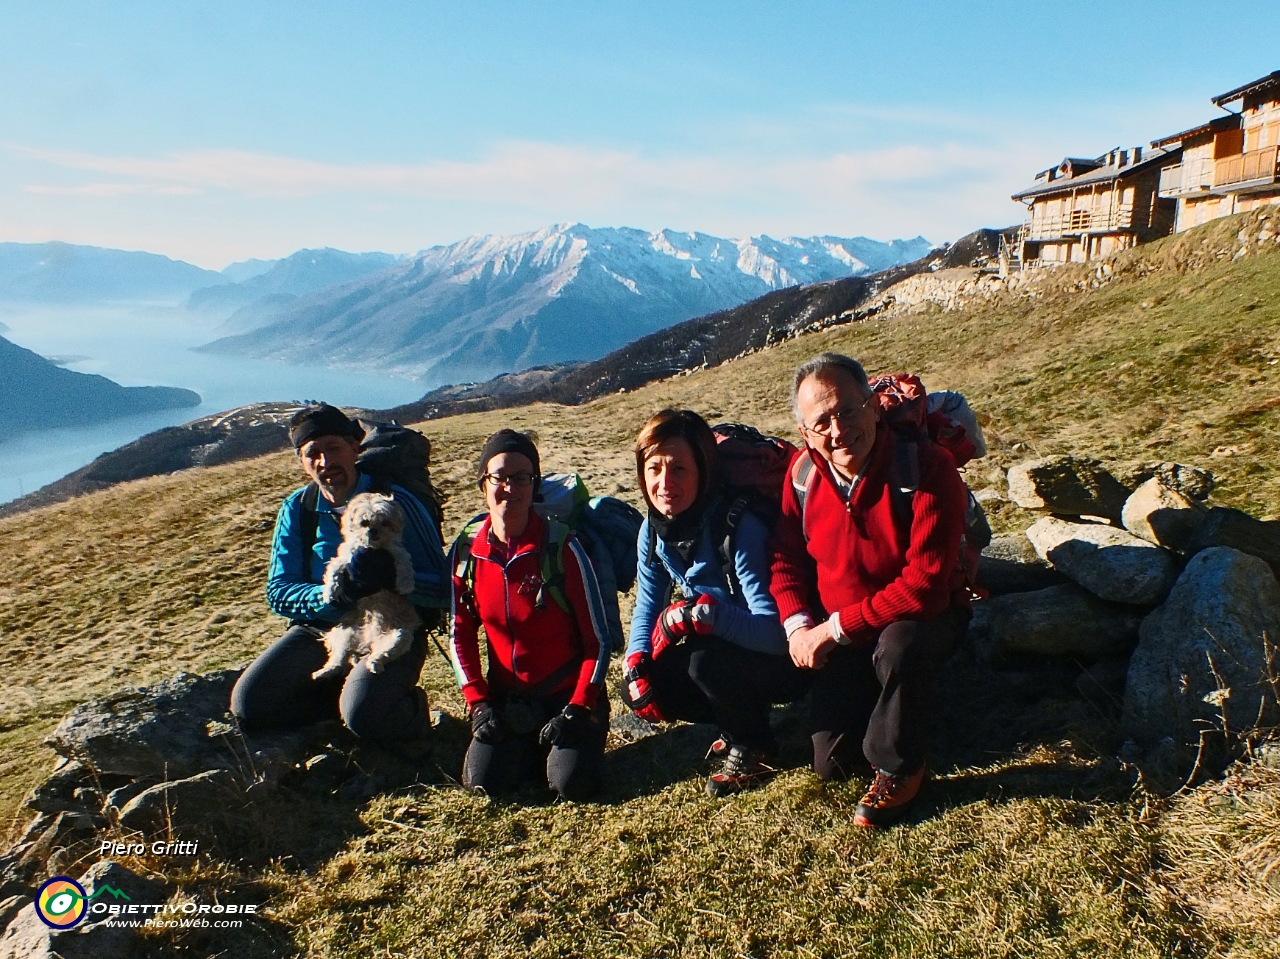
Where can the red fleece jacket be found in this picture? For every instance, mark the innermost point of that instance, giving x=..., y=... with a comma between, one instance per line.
x=856, y=559
x=527, y=644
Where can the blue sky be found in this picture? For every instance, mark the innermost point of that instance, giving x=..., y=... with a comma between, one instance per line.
x=214, y=132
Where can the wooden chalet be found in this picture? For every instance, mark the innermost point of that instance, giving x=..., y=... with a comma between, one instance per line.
x=1083, y=209
x=1230, y=164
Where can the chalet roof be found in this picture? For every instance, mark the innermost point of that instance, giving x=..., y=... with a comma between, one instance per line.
x=1229, y=122
x=1103, y=173
x=1239, y=93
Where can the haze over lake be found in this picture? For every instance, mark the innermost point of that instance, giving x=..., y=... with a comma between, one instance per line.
x=149, y=345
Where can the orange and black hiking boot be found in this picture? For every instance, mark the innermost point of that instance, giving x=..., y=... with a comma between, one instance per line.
x=742, y=768
x=890, y=798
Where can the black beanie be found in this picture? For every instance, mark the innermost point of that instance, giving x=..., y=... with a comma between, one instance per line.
x=321, y=420
x=509, y=441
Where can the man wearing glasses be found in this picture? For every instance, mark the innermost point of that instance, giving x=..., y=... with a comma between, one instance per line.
x=277, y=690
x=871, y=600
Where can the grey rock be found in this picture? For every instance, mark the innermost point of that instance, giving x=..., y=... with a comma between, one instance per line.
x=1190, y=481
x=11, y=907
x=1010, y=565
x=120, y=797
x=1069, y=485
x=1268, y=754
x=1059, y=621
x=1201, y=656
x=186, y=802
x=630, y=726
x=1238, y=530
x=1111, y=563
x=57, y=793
x=156, y=731
x=27, y=937
x=66, y=827
x=1161, y=515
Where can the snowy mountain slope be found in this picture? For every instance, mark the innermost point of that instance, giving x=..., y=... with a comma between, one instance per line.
x=492, y=304
x=246, y=304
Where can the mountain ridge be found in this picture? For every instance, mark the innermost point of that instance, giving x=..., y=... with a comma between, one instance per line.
x=487, y=305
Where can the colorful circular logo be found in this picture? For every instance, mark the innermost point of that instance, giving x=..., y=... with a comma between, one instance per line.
x=61, y=902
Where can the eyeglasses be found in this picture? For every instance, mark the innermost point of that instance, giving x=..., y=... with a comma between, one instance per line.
x=510, y=481
x=826, y=422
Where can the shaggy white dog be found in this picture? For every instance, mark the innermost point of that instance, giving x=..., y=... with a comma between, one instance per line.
x=382, y=624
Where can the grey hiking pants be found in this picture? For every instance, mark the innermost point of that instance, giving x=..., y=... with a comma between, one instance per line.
x=277, y=690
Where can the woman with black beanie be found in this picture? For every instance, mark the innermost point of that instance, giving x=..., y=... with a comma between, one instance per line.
x=540, y=711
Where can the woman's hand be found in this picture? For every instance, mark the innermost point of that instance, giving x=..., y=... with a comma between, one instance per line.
x=567, y=727
x=486, y=724
x=689, y=618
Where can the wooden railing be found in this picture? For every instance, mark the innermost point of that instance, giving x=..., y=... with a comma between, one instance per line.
x=1254, y=165
x=1041, y=227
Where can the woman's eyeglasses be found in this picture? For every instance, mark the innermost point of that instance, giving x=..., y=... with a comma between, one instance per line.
x=509, y=480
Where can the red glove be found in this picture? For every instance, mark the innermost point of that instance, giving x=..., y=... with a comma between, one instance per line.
x=637, y=691
x=689, y=618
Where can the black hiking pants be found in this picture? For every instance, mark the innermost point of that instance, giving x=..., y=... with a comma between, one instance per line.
x=574, y=770
x=277, y=690
x=706, y=679
x=876, y=701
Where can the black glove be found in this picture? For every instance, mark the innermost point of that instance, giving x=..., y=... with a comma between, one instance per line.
x=567, y=727
x=486, y=724
x=368, y=571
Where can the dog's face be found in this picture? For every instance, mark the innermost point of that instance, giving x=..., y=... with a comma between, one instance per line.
x=372, y=520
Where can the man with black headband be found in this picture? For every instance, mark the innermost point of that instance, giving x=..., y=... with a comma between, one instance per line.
x=277, y=689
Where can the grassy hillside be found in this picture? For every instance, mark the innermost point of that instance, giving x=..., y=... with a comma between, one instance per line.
x=1035, y=845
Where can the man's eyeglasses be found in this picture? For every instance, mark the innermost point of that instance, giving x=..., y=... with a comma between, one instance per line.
x=826, y=422
x=510, y=480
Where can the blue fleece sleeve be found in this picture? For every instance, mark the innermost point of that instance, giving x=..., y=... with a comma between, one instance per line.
x=290, y=591
x=653, y=585
x=757, y=626
x=431, y=580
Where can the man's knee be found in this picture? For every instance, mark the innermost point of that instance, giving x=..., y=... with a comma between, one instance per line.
x=901, y=644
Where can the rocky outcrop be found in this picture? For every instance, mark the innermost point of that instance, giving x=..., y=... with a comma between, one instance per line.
x=1067, y=485
x=1162, y=515
x=1238, y=530
x=1206, y=666
x=1059, y=621
x=1009, y=564
x=1110, y=563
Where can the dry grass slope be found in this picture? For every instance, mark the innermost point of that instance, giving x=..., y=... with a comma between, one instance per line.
x=1032, y=847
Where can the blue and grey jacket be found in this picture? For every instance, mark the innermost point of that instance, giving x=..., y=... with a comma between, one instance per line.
x=293, y=580
x=750, y=621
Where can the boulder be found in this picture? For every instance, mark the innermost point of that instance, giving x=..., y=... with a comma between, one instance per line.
x=1103, y=682
x=1059, y=621
x=1231, y=527
x=155, y=731
x=1162, y=515
x=1070, y=485
x=1010, y=565
x=1190, y=481
x=1112, y=564
x=27, y=937
x=186, y=802
x=1201, y=657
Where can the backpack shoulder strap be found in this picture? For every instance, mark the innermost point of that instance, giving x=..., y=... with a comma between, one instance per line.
x=724, y=534
x=310, y=524
x=464, y=563
x=904, y=481
x=803, y=476
x=551, y=553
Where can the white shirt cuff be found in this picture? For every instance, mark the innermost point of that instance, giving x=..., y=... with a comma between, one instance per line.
x=837, y=633
x=797, y=621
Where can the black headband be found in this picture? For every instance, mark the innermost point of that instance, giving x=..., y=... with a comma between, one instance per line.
x=508, y=441
x=322, y=420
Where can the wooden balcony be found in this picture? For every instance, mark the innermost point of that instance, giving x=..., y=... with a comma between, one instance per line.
x=1078, y=222
x=1255, y=168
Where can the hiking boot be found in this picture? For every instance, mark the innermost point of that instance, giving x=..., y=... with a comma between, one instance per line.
x=742, y=769
x=890, y=798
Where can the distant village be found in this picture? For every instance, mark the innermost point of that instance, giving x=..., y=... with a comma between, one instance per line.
x=1083, y=209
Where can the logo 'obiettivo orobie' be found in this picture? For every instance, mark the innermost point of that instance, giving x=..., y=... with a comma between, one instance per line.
x=61, y=902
